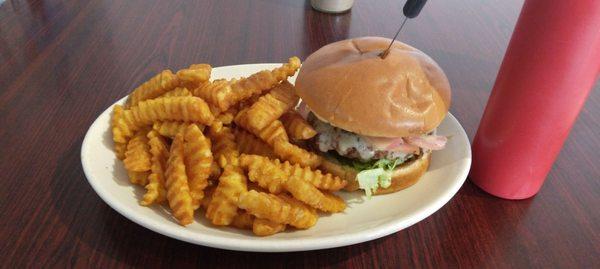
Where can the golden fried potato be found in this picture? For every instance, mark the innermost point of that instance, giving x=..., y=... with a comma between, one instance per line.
x=278, y=185
x=120, y=126
x=195, y=75
x=265, y=227
x=250, y=144
x=270, y=174
x=270, y=133
x=178, y=190
x=296, y=203
x=271, y=106
x=344, y=172
x=139, y=178
x=297, y=155
x=247, y=103
x=229, y=93
x=227, y=116
x=208, y=89
x=117, y=116
x=155, y=189
x=333, y=203
x=224, y=146
x=137, y=156
x=155, y=87
x=243, y=220
x=187, y=109
x=223, y=206
x=310, y=195
x=297, y=127
x=276, y=209
x=177, y=92
x=198, y=159
x=172, y=128
x=273, y=132
x=120, y=149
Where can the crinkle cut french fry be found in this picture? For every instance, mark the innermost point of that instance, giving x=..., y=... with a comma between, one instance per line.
x=310, y=195
x=138, y=178
x=297, y=127
x=294, y=154
x=232, y=92
x=246, y=103
x=223, y=206
x=272, y=132
x=268, y=174
x=271, y=174
x=137, y=156
x=271, y=106
x=178, y=190
x=187, y=167
x=224, y=146
x=322, y=181
x=171, y=128
x=243, y=220
x=155, y=87
x=208, y=89
x=274, y=208
x=227, y=116
x=250, y=144
x=341, y=171
x=120, y=126
x=120, y=147
x=195, y=75
x=265, y=227
x=187, y=109
x=198, y=160
x=275, y=176
x=177, y=92
x=155, y=189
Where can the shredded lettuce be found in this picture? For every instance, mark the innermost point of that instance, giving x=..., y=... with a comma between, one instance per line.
x=376, y=176
x=373, y=174
x=368, y=180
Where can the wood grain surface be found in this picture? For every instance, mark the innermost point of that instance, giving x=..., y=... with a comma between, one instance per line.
x=63, y=62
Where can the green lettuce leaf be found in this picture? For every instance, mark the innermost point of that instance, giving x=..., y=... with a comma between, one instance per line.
x=372, y=174
x=378, y=175
x=368, y=180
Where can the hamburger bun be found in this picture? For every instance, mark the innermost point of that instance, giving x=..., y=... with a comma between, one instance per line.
x=349, y=86
x=404, y=176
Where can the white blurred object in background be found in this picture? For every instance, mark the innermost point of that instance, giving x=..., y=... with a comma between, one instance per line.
x=332, y=6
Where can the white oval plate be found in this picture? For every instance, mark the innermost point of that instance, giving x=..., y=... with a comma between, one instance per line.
x=362, y=221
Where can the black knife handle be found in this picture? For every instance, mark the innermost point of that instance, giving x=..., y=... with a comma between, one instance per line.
x=412, y=8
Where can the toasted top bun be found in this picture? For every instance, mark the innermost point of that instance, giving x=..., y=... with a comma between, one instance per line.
x=347, y=84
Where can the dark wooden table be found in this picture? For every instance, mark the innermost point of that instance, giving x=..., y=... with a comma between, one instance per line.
x=63, y=62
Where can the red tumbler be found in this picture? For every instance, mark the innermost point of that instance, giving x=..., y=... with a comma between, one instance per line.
x=550, y=66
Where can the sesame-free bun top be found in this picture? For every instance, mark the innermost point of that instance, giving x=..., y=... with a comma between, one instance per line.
x=347, y=84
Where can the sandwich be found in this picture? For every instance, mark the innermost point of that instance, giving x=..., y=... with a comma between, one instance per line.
x=375, y=116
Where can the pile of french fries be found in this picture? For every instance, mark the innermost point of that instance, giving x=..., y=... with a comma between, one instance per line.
x=227, y=149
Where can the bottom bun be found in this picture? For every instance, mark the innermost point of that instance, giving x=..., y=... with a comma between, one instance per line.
x=404, y=176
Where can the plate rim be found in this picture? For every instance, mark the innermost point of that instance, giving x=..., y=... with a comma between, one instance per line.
x=267, y=244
